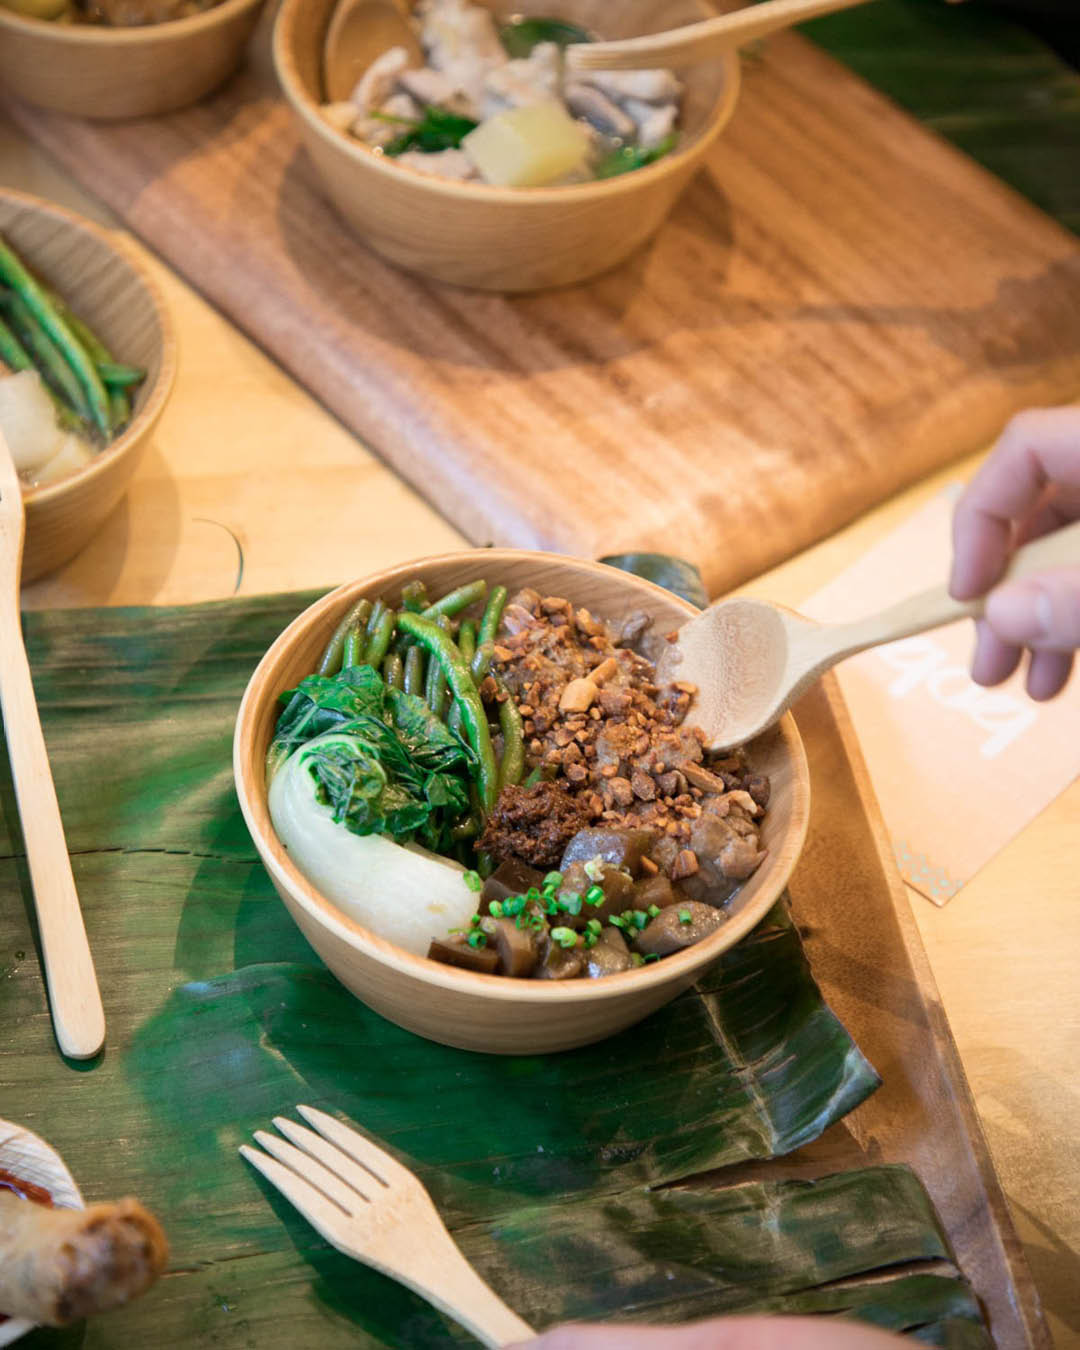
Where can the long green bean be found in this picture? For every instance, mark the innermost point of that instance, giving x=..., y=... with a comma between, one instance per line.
x=394, y=671
x=442, y=649
x=48, y=357
x=15, y=275
x=116, y=375
x=12, y=352
x=119, y=402
x=378, y=643
x=481, y=662
x=512, y=764
x=453, y=602
x=414, y=597
x=330, y=661
x=435, y=691
x=466, y=639
x=414, y=671
x=352, y=653
x=489, y=624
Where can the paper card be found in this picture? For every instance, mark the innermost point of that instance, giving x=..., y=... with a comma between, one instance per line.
x=958, y=770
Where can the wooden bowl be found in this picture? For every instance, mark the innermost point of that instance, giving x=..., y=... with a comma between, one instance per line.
x=457, y=1007
x=117, y=298
x=504, y=239
x=110, y=73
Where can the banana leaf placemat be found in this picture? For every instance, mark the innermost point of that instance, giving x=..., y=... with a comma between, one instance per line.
x=840, y=303
x=827, y=1192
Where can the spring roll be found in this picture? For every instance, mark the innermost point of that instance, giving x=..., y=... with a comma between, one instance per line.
x=61, y=1265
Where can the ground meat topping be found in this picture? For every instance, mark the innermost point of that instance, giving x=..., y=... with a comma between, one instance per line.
x=534, y=823
x=598, y=726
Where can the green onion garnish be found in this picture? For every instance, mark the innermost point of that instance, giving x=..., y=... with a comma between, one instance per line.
x=472, y=880
x=496, y=909
x=653, y=911
x=477, y=939
x=595, y=895
x=552, y=879
x=565, y=937
x=593, y=925
x=685, y=916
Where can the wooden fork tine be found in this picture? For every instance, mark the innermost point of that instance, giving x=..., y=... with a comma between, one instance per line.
x=380, y=1164
x=311, y=1171
x=340, y=1164
x=323, y=1215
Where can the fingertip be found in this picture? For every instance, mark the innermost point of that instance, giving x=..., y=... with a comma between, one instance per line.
x=1048, y=674
x=994, y=660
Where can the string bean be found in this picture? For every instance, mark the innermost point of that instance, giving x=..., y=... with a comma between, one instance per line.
x=330, y=661
x=414, y=671
x=442, y=649
x=414, y=597
x=378, y=643
x=436, y=692
x=453, y=602
x=489, y=624
x=512, y=764
x=353, y=652
x=394, y=671
x=48, y=357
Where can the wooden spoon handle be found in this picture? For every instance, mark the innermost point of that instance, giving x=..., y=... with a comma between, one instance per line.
x=698, y=42
x=78, y=1017
x=936, y=607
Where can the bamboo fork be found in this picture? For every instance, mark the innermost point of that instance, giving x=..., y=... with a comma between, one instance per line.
x=77, y=1014
x=376, y=1211
x=702, y=41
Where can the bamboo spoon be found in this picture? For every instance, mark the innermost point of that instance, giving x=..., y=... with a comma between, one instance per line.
x=751, y=660
x=699, y=42
x=360, y=31
x=78, y=1017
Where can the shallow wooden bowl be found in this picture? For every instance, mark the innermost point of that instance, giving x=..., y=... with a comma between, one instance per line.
x=117, y=298
x=457, y=1007
x=111, y=73
x=504, y=239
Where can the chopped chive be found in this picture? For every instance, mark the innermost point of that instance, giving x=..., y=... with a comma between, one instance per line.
x=477, y=939
x=565, y=937
x=652, y=956
x=472, y=880
x=653, y=911
x=685, y=916
x=595, y=895
x=496, y=909
x=590, y=939
x=593, y=926
x=637, y=959
x=571, y=904
x=474, y=922
x=533, y=894
x=552, y=879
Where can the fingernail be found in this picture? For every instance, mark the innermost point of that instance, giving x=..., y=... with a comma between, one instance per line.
x=1020, y=613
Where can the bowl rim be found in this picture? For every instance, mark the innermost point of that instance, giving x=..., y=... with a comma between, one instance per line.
x=307, y=110
x=159, y=391
x=92, y=35
x=283, y=871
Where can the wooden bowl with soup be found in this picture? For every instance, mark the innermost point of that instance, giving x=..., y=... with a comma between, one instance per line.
x=68, y=496
x=483, y=235
x=546, y=1007
x=156, y=56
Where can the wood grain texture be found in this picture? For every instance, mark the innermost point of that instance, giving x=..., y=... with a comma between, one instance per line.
x=837, y=305
x=458, y=1007
x=102, y=72
x=110, y=290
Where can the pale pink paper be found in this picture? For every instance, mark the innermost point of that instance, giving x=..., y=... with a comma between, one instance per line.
x=958, y=770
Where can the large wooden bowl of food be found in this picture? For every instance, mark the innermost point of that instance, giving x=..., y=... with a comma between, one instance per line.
x=113, y=59
x=77, y=407
x=492, y=712
x=478, y=163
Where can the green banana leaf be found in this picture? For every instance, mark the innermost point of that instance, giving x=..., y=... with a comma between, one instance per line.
x=220, y=1017
x=979, y=79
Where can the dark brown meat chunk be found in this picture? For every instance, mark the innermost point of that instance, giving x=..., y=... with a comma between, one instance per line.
x=678, y=927
x=512, y=877
x=620, y=846
x=534, y=824
x=455, y=951
x=609, y=955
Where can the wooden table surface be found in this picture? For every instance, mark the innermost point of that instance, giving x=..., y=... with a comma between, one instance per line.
x=251, y=487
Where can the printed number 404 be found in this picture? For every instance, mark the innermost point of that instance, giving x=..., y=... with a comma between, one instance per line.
x=920, y=663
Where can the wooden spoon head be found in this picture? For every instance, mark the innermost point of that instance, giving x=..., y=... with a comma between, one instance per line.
x=737, y=652
x=360, y=31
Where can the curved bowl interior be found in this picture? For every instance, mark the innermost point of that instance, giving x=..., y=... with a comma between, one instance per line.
x=492, y=1013
x=117, y=298
x=99, y=72
x=495, y=238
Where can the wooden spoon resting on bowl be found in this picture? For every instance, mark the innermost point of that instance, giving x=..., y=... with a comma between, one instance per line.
x=698, y=42
x=359, y=32
x=751, y=660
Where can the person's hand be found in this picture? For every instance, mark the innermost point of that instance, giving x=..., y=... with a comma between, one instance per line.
x=1028, y=486
x=723, y=1333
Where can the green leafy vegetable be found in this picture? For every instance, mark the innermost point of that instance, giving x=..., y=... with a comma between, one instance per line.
x=629, y=157
x=380, y=757
x=436, y=130
x=521, y=36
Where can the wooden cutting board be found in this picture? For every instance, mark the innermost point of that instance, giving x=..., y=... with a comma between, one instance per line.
x=840, y=303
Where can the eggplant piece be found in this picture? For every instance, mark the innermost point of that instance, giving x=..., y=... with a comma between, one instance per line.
x=609, y=955
x=671, y=931
x=725, y=858
x=455, y=951
x=560, y=963
x=512, y=877
x=625, y=848
x=656, y=890
x=516, y=948
x=616, y=883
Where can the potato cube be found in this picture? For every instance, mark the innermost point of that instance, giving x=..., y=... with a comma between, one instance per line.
x=527, y=146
